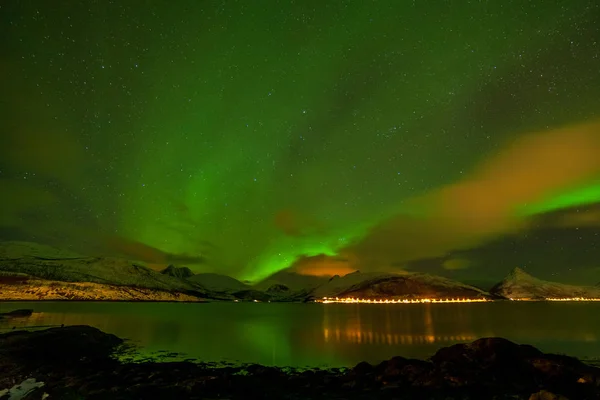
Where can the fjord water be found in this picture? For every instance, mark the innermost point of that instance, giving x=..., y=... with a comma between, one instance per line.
x=324, y=335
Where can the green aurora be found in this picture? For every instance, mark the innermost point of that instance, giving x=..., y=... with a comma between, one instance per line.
x=588, y=194
x=252, y=134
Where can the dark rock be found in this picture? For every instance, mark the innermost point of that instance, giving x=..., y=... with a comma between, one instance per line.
x=545, y=395
x=277, y=289
x=362, y=368
x=262, y=371
x=58, y=346
x=251, y=295
x=392, y=367
x=17, y=313
x=177, y=272
x=484, y=353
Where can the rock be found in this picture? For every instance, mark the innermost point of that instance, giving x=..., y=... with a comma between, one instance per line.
x=252, y=295
x=262, y=371
x=277, y=289
x=58, y=346
x=485, y=359
x=392, y=367
x=545, y=395
x=362, y=368
x=23, y=390
x=484, y=352
x=177, y=272
x=21, y=313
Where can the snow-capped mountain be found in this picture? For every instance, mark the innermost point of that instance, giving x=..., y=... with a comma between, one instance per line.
x=32, y=271
x=177, y=272
x=521, y=285
x=391, y=286
x=10, y=250
x=292, y=280
x=217, y=282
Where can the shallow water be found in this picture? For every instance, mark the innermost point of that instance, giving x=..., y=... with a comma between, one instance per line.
x=324, y=335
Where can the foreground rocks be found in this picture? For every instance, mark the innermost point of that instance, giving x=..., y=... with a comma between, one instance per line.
x=21, y=313
x=75, y=362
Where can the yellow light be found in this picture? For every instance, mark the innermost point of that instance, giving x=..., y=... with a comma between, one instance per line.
x=352, y=300
x=573, y=299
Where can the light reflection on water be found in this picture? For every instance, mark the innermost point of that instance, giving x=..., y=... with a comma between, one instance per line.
x=324, y=335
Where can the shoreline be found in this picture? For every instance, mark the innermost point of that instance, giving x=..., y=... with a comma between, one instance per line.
x=328, y=303
x=201, y=301
x=80, y=360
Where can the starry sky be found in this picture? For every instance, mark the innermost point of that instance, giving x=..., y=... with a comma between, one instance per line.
x=460, y=138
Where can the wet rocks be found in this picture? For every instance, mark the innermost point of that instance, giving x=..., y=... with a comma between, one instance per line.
x=545, y=395
x=21, y=313
x=78, y=360
x=66, y=346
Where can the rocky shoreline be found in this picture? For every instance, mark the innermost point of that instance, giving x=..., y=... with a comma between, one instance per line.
x=78, y=362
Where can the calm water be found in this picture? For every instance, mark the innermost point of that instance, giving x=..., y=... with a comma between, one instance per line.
x=325, y=334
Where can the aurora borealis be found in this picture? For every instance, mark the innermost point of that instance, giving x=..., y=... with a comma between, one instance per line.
x=248, y=137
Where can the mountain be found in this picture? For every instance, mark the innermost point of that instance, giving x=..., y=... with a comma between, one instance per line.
x=395, y=286
x=34, y=264
x=177, y=272
x=15, y=250
x=28, y=288
x=218, y=282
x=294, y=281
x=275, y=293
x=521, y=285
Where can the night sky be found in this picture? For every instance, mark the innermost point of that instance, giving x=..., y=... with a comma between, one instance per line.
x=246, y=137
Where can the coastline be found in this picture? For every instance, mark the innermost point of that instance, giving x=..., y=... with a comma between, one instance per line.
x=48, y=290
x=80, y=361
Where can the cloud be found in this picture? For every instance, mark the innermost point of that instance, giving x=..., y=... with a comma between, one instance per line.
x=455, y=264
x=483, y=205
x=54, y=154
x=20, y=199
x=321, y=265
x=573, y=217
x=142, y=252
x=293, y=223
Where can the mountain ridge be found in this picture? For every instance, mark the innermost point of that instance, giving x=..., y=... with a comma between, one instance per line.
x=24, y=261
x=519, y=284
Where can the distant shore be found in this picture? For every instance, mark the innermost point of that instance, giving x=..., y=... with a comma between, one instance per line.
x=47, y=290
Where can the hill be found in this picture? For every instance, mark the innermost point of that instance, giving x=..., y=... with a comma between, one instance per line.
x=177, y=272
x=518, y=284
x=217, y=282
x=293, y=280
x=396, y=286
x=32, y=260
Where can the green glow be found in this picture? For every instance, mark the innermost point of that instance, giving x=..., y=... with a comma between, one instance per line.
x=580, y=196
x=188, y=128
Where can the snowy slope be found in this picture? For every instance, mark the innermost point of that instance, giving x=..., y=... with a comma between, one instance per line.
x=292, y=280
x=218, y=282
x=386, y=285
x=16, y=249
x=520, y=285
x=49, y=263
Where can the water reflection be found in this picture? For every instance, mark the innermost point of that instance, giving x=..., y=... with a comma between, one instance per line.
x=371, y=337
x=325, y=335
